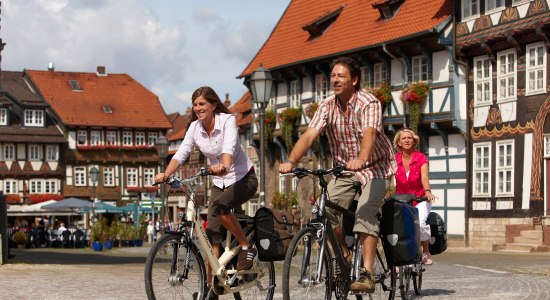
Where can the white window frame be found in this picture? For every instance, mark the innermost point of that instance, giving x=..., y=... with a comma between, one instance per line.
x=253, y=206
x=294, y=183
x=35, y=186
x=9, y=152
x=95, y=138
x=131, y=177
x=469, y=9
x=546, y=146
x=482, y=169
x=282, y=184
x=365, y=77
x=380, y=74
x=52, y=152
x=294, y=94
x=535, y=66
x=492, y=6
x=108, y=176
x=321, y=87
x=507, y=76
x=50, y=186
x=10, y=186
x=420, y=68
x=110, y=138
x=140, y=138
x=483, y=80
x=148, y=177
x=34, y=152
x=127, y=138
x=152, y=138
x=504, y=169
x=81, y=137
x=34, y=118
x=80, y=176
x=3, y=116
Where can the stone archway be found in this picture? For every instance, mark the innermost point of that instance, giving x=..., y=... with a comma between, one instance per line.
x=543, y=116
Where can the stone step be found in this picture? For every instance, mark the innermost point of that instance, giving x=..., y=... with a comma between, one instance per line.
x=531, y=234
x=527, y=247
x=528, y=240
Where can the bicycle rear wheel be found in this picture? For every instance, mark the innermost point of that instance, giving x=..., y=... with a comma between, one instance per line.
x=385, y=278
x=174, y=269
x=405, y=281
x=303, y=278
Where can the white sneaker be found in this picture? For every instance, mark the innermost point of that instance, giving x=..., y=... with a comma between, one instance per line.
x=427, y=259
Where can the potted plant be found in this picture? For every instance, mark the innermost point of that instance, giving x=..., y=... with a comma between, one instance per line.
x=97, y=237
x=20, y=238
x=414, y=94
x=383, y=93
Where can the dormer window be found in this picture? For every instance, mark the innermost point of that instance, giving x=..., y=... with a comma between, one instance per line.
x=388, y=8
x=3, y=116
x=320, y=25
x=34, y=118
x=75, y=86
x=107, y=110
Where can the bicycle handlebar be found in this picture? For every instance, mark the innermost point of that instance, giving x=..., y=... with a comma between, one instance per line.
x=336, y=170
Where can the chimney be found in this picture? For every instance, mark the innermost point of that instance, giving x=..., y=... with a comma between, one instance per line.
x=101, y=71
x=227, y=102
x=51, y=67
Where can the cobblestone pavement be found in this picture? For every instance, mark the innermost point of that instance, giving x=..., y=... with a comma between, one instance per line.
x=118, y=274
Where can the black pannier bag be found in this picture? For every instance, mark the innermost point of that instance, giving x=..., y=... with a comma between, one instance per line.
x=438, y=241
x=274, y=231
x=400, y=231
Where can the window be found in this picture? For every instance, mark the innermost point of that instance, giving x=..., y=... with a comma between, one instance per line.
x=506, y=76
x=108, y=176
x=494, y=4
x=50, y=186
x=95, y=138
x=482, y=169
x=148, y=177
x=380, y=74
x=110, y=138
x=253, y=206
x=127, y=138
x=294, y=94
x=79, y=176
x=365, y=77
x=420, y=68
x=34, y=152
x=10, y=186
x=131, y=177
x=75, y=86
x=536, y=69
x=52, y=152
x=81, y=137
x=547, y=146
x=9, y=152
x=281, y=184
x=34, y=117
x=3, y=116
x=470, y=9
x=295, y=181
x=321, y=87
x=482, y=80
x=505, y=168
x=35, y=186
x=140, y=138
x=153, y=137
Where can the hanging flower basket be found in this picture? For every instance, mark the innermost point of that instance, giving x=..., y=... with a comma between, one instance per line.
x=13, y=199
x=288, y=119
x=311, y=109
x=414, y=94
x=383, y=93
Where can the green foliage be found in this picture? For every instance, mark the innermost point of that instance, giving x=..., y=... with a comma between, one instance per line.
x=97, y=233
x=283, y=201
x=414, y=94
x=288, y=119
x=311, y=109
x=20, y=237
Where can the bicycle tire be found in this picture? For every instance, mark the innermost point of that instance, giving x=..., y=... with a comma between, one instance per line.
x=405, y=281
x=167, y=254
x=417, y=278
x=256, y=293
x=298, y=286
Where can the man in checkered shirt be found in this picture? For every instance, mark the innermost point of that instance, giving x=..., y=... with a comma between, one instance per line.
x=352, y=121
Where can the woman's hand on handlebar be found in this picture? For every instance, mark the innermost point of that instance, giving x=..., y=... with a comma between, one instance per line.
x=160, y=178
x=217, y=169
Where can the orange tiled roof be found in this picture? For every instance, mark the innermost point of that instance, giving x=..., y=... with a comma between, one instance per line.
x=357, y=26
x=243, y=109
x=132, y=104
x=179, y=127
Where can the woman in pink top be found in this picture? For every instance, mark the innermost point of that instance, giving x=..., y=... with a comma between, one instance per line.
x=412, y=178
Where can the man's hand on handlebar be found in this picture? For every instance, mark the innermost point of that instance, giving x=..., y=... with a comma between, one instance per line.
x=355, y=165
x=285, y=168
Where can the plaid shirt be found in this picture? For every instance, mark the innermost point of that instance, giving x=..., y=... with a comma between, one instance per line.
x=345, y=133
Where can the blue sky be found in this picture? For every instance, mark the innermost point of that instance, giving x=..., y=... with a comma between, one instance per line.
x=171, y=46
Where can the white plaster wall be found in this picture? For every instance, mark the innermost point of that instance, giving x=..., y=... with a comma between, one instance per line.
x=397, y=75
x=457, y=144
x=307, y=88
x=69, y=175
x=480, y=116
x=36, y=165
x=526, y=180
x=438, y=98
x=455, y=197
x=523, y=8
x=71, y=139
x=282, y=92
x=455, y=222
x=20, y=148
x=508, y=111
x=457, y=164
x=440, y=66
x=436, y=146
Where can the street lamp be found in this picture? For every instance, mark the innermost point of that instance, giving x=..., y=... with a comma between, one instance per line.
x=162, y=151
x=94, y=173
x=261, y=82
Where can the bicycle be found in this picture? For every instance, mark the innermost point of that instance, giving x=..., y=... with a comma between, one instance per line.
x=175, y=268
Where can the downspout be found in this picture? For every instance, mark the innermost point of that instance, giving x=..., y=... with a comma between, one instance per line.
x=403, y=76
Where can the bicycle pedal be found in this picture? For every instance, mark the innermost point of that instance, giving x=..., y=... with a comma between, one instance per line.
x=357, y=292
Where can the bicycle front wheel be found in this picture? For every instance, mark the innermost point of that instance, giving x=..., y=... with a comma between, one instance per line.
x=417, y=277
x=174, y=270
x=303, y=278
